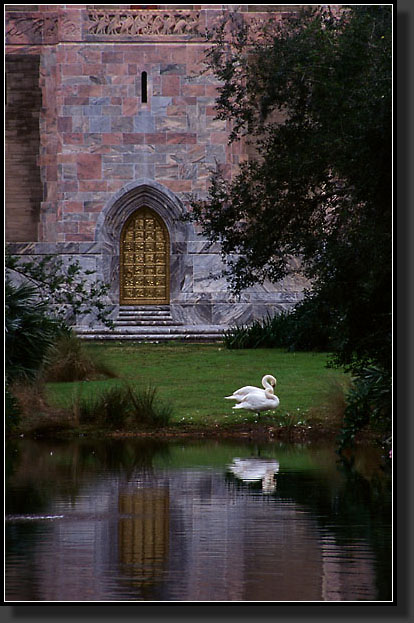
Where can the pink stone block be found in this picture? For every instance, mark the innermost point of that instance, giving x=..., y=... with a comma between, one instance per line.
x=219, y=138
x=71, y=54
x=69, y=186
x=156, y=138
x=112, y=138
x=211, y=111
x=71, y=69
x=87, y=229
x=92, y=186
x=51, y=172
x=69, y=227
x=178, y=53
x=89, y=166
x=132, y=138
x=73, y=100
x=115, y=69
x=181, y=137
x=64, y=124
x=211, y=90
x=94, y=206
x=184, y=101
x=91, y=90
x=83, y=237
x=115, y=185
x=130, y=106
x=92, y=69
x=193, y=89
x=72, y=206
x=177, y=185
x=60, y=55
x=72, y=138
x=144, y=54
x=171, y=85
x=91, y=54
x=113, y=57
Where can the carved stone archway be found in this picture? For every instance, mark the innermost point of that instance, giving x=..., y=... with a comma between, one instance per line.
x=143, y=193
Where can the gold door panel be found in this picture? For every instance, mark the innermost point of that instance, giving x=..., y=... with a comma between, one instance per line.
x=144, y=260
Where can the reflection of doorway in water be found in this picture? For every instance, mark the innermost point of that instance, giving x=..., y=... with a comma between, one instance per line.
x=143, y=535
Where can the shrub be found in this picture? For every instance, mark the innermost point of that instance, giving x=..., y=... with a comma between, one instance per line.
x=120, y=406
x=369, y=402
x=12, y=411
x=68, y=361
x=30, y=332
x=34, y=415
x=109, y=409
x=147, y=410
x=308, y=327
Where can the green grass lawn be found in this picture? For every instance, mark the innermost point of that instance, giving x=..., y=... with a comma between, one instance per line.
x=194, y=378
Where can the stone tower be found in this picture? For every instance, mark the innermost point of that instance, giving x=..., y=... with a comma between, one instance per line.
x=109, y=126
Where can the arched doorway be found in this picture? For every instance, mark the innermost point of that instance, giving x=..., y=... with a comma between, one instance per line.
x=144, y=257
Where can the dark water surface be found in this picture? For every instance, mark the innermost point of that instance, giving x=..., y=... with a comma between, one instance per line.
x=188, y=521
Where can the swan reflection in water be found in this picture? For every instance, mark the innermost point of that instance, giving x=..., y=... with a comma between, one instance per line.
x=255, y=469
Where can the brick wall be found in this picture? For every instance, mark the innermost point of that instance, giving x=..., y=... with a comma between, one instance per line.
x=23, y=185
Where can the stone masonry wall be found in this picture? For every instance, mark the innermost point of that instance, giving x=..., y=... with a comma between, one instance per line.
x=104, y=151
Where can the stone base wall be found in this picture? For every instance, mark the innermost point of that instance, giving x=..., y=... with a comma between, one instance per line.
x=198, y=295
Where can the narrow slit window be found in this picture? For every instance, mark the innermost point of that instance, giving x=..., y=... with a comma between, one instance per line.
x=144, y=87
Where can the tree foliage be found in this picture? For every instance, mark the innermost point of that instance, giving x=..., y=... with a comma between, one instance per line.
x=313, y=95
x=29, y=331
x=64, y=288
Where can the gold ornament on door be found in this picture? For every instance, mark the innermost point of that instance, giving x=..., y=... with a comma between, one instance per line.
x=144, y=260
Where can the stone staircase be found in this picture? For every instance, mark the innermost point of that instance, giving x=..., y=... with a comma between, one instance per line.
x=151, y=323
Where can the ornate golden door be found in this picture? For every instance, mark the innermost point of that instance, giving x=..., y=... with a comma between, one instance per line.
x=144, y=259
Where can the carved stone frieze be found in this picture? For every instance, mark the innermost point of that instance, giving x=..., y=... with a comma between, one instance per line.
x=30, y=28
x=116, y=25
x=68, y=26
x=143, y=23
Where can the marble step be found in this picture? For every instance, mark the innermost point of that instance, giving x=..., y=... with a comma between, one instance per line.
x=144, y=312
x=144, y=308
x=148, y=322
x=153, y=337
x=156, y=333
x=131, y=314
x=139, y=316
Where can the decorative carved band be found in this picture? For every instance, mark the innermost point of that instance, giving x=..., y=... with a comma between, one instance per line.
x=69, y=24
x=158, y=23
x=31, y=28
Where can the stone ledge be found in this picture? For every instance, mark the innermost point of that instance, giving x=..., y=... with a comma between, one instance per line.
x=54, y=248
x=160, y=330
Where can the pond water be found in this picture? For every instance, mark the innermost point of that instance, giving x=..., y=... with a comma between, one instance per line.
x=148, y=520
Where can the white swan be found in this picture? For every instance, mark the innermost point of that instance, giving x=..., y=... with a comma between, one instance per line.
x=268, y=382
x=258, y=401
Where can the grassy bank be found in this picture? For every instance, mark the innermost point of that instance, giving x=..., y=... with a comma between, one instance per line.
x=194, y=378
